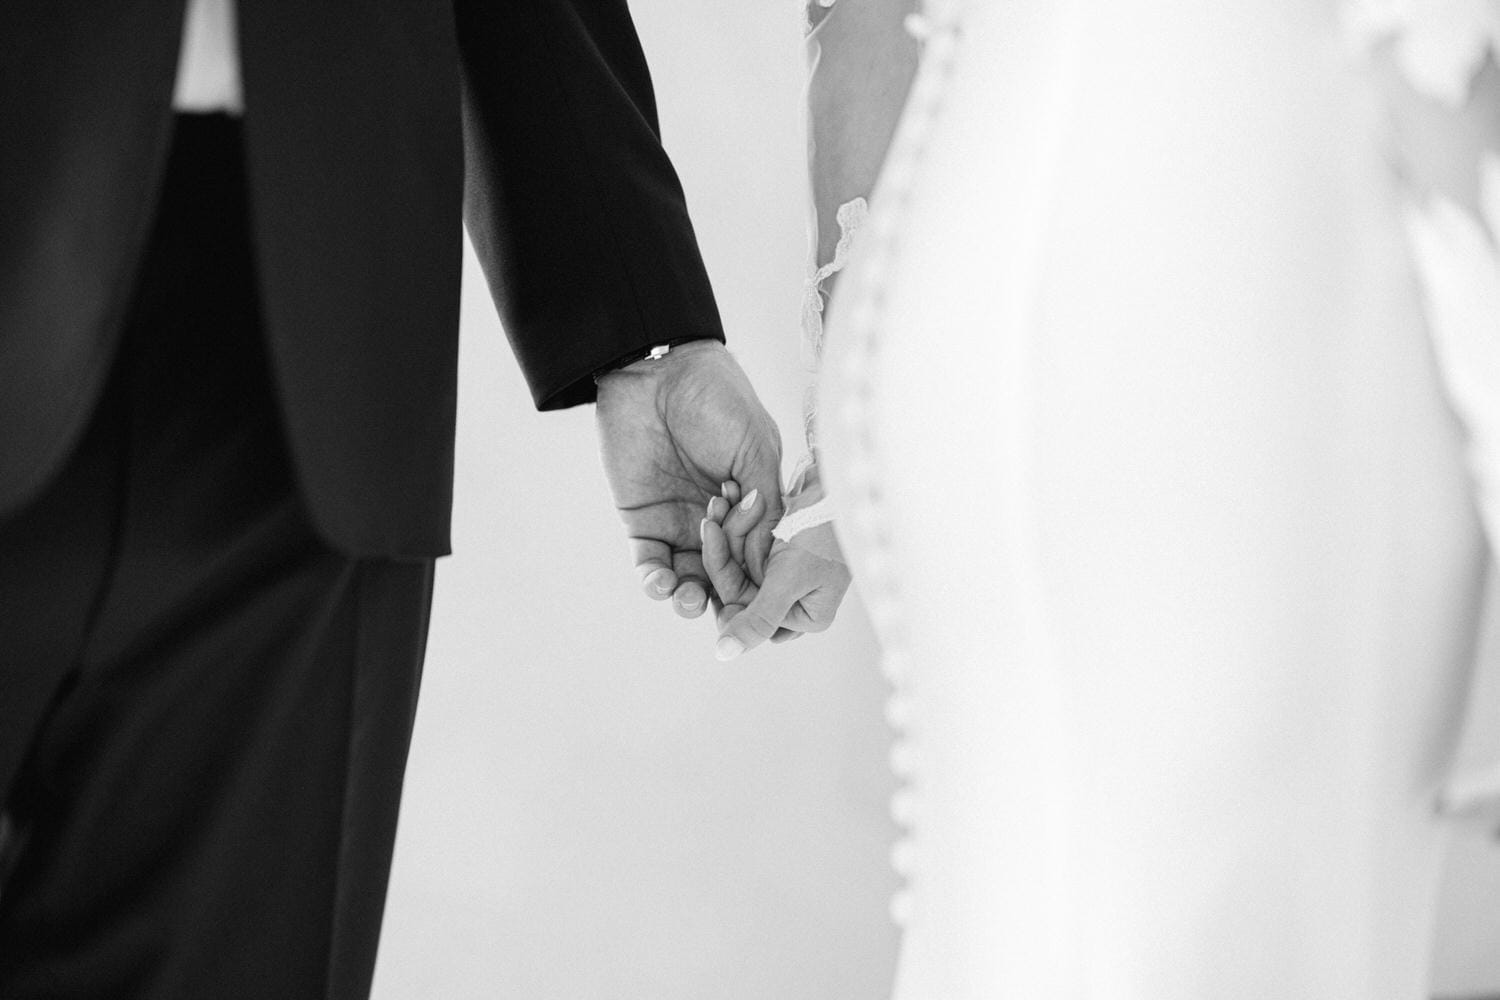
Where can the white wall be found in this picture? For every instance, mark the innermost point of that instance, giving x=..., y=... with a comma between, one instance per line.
x=595, y=807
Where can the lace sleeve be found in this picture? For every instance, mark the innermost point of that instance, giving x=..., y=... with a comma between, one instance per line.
x=861, y=64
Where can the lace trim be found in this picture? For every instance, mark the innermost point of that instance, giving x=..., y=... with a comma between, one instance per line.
x=797, y=521
x=851, y=216
x=804, y=478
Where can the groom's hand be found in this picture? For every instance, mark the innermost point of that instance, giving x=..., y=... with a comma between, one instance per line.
x=671, y=432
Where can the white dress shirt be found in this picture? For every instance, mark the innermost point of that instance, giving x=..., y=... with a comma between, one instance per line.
x=208, y=68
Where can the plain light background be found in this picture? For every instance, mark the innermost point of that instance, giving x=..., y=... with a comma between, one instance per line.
x=595, y=808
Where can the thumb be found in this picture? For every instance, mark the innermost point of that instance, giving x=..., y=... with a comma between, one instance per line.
x=758, y=622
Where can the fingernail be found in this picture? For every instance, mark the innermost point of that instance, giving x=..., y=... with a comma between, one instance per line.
x=749, y=500
x=728, y=648
x=724, y=489
x=692, y=603
x=703, y=530
x=658, y=582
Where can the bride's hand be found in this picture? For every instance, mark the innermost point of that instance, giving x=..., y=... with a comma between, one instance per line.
x=798, y=588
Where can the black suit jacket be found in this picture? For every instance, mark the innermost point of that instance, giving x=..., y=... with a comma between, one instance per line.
x=361, y=119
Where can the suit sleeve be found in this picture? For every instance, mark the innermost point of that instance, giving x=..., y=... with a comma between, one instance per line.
x=572, y=205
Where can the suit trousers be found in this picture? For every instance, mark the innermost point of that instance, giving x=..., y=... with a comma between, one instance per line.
x=204, y=709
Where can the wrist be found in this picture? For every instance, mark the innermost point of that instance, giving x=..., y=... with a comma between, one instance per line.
x=656, y=358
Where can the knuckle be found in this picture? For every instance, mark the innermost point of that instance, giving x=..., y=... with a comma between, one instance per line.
x=756, y=623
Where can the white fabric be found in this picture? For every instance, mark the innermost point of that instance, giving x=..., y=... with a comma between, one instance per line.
x=851, y=216
x=1152, y=481
x=794, y=522
x=208, y=69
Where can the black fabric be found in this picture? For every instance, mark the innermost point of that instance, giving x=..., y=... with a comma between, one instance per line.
x=356, y=146
x=204, y=708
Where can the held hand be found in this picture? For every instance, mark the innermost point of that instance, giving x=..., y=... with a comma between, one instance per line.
x=804, y=579
x=671, y=432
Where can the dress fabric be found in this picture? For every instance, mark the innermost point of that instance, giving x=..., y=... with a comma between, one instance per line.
x=1157, y=411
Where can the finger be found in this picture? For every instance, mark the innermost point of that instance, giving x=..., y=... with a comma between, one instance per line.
x=690, y=599
x=726, y=575
x=653, y=561
x=760, y=469
x=799, y=620
x=758, y=541
x=758, y=549
x=726, y=613
x=759, y=621
x=718, y=509
x=731, y=491
x=797, y=623
x=740, y=521
x=816, y=610
x=717, y=562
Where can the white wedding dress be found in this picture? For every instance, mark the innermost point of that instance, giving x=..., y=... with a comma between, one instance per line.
x=1162, y=408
